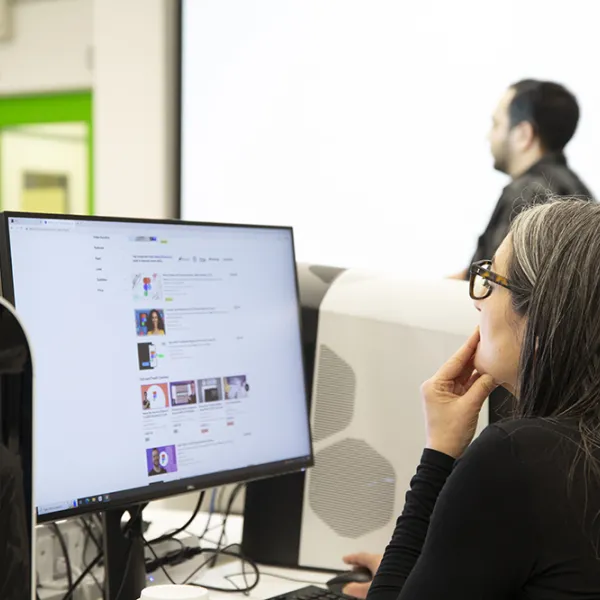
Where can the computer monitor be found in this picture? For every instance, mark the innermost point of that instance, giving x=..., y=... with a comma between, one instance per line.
x=168, y=358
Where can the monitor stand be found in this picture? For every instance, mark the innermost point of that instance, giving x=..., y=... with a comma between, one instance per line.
x=124, y=560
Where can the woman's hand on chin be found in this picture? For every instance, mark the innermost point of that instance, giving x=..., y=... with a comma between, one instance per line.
x=453, y=398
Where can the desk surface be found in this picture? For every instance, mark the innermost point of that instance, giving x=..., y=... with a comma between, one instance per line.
x=273, y=581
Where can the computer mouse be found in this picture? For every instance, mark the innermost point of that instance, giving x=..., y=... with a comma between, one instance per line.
x=356, y=575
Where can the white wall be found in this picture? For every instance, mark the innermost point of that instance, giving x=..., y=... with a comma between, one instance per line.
x=49, y=48
x=133, y=111
x=363, y=123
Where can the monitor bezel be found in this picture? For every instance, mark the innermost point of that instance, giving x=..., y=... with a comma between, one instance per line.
x=158, y=491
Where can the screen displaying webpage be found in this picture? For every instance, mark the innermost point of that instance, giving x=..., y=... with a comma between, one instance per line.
x=161, y=352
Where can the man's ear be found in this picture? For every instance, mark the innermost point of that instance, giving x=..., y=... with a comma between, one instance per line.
x=524, y=135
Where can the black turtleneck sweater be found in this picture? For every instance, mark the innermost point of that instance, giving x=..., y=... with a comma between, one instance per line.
x=517, y=517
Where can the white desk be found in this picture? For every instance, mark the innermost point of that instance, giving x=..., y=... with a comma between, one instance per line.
x=164, y=520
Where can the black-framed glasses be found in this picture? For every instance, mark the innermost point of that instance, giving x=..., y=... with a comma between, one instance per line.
x=480, y=277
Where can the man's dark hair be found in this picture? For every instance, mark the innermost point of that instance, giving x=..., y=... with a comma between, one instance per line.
x=550, y=108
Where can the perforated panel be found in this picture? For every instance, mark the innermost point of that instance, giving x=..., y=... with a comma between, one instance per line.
x=352, y=488
x=334, y=396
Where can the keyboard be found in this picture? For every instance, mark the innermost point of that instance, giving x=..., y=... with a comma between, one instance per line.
x=311, y=592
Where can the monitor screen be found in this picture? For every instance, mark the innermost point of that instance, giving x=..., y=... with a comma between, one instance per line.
x=167, y=356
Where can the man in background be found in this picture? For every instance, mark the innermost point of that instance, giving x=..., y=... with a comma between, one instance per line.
x=531, y=126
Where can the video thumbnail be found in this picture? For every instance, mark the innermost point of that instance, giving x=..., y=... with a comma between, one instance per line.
x=211, y=390
x=236, y=387
x=147, y=356
x=150, y=322
x=183, y=392
x=161, y=460
x=146, y=286
x=155, y=396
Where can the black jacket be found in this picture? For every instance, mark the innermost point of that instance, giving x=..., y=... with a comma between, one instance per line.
x=550, y=176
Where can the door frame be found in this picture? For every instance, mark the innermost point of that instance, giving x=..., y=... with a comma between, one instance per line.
x=38, y=109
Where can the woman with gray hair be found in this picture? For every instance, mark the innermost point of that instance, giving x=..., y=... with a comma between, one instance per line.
x=515, y=514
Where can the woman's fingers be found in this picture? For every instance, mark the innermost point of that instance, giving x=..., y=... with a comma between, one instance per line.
x=363, y=559
x=472, y=379
x=457, y=364
x=481, y=387
x=466, y=374
x=453, y=399
x=358, y=590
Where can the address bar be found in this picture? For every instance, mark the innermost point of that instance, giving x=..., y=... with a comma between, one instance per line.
x=48, y=229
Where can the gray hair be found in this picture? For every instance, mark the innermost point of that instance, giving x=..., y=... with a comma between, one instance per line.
x=555, y=271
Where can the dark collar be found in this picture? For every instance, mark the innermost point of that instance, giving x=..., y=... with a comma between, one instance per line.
x=549, y=159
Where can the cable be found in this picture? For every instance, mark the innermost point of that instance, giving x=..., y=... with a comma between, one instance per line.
x=213, y=498
x=264, y=574
x=90, y=535
x=159, y=563
x=224, y=552
x=276, y=575
x=65, y=551
x=185, y=553
x=88, y=569
x=244, y=574
x=100, y=525
x=210, y=516
x=232, y=497
x=126, y=570
x=172, y=557
x=97, y=559
x=171, y=534
x=220, y=497
x=202, y=565
x=238, y=555
x=211, y=510
x=100, y=587
x=169, y=557
x=232, y=582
